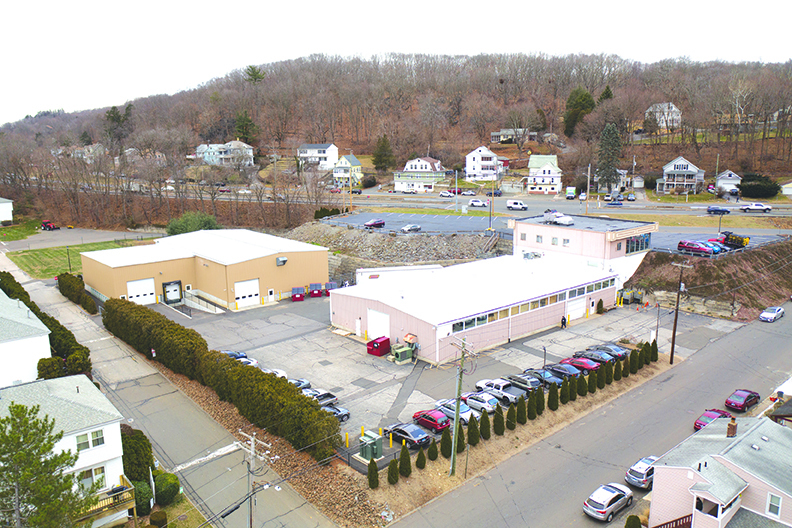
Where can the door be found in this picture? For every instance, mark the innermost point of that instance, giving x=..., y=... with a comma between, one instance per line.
x=378, y=324
x=172, y=291
x=246, y=293
x=271, y=295
x=577, y=308
x=141, y=291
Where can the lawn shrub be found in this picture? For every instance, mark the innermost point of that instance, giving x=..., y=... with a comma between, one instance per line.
x=484, y=427
x=511, y=418
x=432, y=451
x=393, y=472
x=143, y=497
x=592, y=382
x=420, y=460
x=138, y=457
x=552, y=397
x=498, y=426
x=159, y=518
x=445, y=443
x=405, y=464
x=540, y=402
x=473, y=432
x=373, y=475
x=563, y=394
x=166, y=488
x=522, y=411
x=617, y=371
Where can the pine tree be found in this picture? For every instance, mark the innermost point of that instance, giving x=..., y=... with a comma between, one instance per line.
x=420, y=460
x=647, y=355
x=244, y=128
x=393, y=472
x=606, y=94
x=383, y=155
x=582, y=386
x=530, y=405
x=498, y=427
x=540, y=402
x=522, y=411
x=405, y=464
x=563, y=394
x=445, y=443
x=608, y=156
x=635, y=357
x=573, y=389
x=484, y=427
x=617, y=371
x=86, y=139
x=579, y=104
x=460, y=445
x=511, y=418
x=655, y=351
x=432, y=452
x=592, y=382
x=473, y=432
x=552, y=397
x=373, y=474
x=626, y=366
x=609, y=372
x=600, y=372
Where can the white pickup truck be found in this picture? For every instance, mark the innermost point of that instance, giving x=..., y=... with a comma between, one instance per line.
x=501, y=389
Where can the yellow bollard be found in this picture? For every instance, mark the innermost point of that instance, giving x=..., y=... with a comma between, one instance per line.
x=587, y=311
x=569, y=319
x=347, y=440
x=403, y=442
x=362, y=431
x=380, y=431
x=391, y=439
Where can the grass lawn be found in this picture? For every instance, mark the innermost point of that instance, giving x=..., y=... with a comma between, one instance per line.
x=19, y=232
x=709, y=221
x=50, y=262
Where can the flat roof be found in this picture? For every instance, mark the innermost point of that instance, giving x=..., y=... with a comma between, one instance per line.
x=590, y=223
x=224, y=246
x=453, y=293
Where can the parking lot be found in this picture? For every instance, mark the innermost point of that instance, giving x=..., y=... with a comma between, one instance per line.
x=430, y=223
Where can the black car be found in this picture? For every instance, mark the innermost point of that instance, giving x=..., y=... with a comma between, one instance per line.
x=545, y=376
x=413, y=435
x=717, y=209
x=378, y=222
x=496, y=192
x=595, y=355
x=339, y=412
x=612, y=350
x=356, y=191
x=563, y=371
x=234, y=355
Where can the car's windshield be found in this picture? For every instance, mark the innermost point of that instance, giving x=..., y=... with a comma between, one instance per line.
x=737, y=397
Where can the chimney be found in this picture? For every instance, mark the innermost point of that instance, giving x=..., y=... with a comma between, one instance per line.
x=731, y=428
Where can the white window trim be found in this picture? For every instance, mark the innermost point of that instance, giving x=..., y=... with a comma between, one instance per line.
x=767, y=506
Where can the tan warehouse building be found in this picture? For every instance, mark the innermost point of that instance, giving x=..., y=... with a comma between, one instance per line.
x=233, y=268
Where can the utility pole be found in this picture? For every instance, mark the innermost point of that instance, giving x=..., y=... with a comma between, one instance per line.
x=460, y=371
x=588, y=186
x=676, y=312
x=251, y=456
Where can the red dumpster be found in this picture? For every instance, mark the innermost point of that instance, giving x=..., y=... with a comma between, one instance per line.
x=298, y=294
x=316, y=289
x=379, y=346
x=330, y=286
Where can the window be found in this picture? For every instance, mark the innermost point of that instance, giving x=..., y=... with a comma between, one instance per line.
x=82, y=442
x=91, y=476
x=97, y=438
x=589, y=288
x=553, y=299
x=515, y=310
x=504, y=314
x=773, y=505
x=618, y=246
x=534, y=305
x=525, y=307
x=481, y=320
x=572, y=294
x=538, y=239
x=522, y=236
x=555, y=241
x=581, y=291
x=561, y=296
x=543, y=302
x=565, y=242
x=598, y=286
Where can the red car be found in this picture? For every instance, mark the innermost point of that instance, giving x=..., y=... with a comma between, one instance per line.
x=582, y=364
x=742, y=399
x=432, y=419
x=708, y=416
x=335, y=190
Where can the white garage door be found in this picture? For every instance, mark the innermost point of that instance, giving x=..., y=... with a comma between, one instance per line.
x=172, y=292
x=577, y=308
x=378, y=324
x=246, y=293
x=141, y=291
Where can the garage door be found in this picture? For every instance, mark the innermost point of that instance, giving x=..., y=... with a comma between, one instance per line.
x=141, y=291
x=246, y=293
x=577, y=308
x=172, y=292
x=378, y=324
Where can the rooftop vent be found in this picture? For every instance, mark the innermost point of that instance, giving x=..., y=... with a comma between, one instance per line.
x=755, y=447
x=765, y=439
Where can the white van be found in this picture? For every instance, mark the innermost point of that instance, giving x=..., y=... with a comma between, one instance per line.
x=515, y=204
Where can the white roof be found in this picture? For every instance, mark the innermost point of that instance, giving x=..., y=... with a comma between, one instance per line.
x=440, y=296
x=224, y=246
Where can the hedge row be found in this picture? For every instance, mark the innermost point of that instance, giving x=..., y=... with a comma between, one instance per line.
x=75, y=358
x=138, y=457
x=265, y=400
x=73, y=288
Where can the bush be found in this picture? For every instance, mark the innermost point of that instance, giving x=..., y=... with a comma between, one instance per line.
x=498, y=426
x=626, y=367
x=460, y=440
x=88, y=303
x=539, y=400
x=617, y=371
x=323, y=212
x=552, y=397
x=635, y=358
x=393, y=472
x=563, y=394
x=522, y=411
x=646, y=353
x=191, y=221
x=592, y=382
x=159, y=518
x=511, y=418
x=166, y=488
x=600, y=307
x=50, y=368
x=582, y=386
x=79, y=362
x=609, y=372
x=432, y=452
x=484, y=427
x=373, y=475
x=633, y=521
x=530, y=405
x=138, y=457
x=600, y=372
x=473, y=432
x=420, y=460
x=654, y=356
x=445, y=443
x=368, y=181
x=143, y=497
x=405, y=464
x=573, y=388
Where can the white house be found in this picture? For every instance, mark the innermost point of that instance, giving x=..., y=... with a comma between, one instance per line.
x=667, y=115
x=91, y=427
x=348, y=167
x=325, y=155
x=482, y=165
x=510, y=134
x=24, y=340
x=233, y=153
x=624, y=181
x=727, y=180
x=544, y=176
x=786, y=189
x=681, y=174
x=419, y=174
x=6, y=210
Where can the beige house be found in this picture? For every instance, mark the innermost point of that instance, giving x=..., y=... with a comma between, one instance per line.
x=231, y=268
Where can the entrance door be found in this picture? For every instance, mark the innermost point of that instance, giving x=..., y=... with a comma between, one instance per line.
x=246, y=293
x=141, y=291
x=271, y=295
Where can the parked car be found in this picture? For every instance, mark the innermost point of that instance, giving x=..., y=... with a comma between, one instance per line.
x=221, y=189
x=339, y=412
x=411, y=228
x=599, y=356
x=715, y=248
x=496, y=192
x=483, y=401
x=608, y=197
x=233, y=354
x=631, y=197
x=377, y=222
x=456, y=190
x=563, y=370
x=696, y=248
x=475, y=202
x=723, y=247
x=501, y=389
x=619, y=198
x=708, y=417
x=321, y=396
x=469, y=192
x=244, y=191
x=717, y=210
x=755, y=207
x=742, y=399
x=356, y=191
x=525, y=382
x=432, y=419
x=446, y=194
x=409, y=191
x=607, y=501
x=413, y=435
x=545, y=376
x=582, y=197
x=584, y=365
x=250, y=362
x=166, y=188
x=276, y=372
x=641, y=474
x=614, y=203
x=335, y=190
x=612, y=349
x=771, y=314
x=300, y=383
x=448, y=407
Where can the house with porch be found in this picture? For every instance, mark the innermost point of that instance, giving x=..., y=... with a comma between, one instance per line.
x=346, y=168
x=667, y=115
x=233, y=154
x=419, y=174
x=544, y=176
x=680, y=175
x=508, y=135
x=324, y=155
x=727, y=180
x=482, y=165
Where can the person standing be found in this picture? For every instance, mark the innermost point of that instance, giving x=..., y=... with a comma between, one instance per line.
x=563, y=322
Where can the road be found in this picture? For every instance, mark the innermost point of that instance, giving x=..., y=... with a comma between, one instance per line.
x=546, y=484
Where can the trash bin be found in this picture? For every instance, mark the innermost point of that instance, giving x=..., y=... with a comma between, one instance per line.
x=315, y=289
x=379, y=347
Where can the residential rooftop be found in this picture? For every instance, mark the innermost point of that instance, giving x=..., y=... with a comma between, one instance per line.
x=17, y=321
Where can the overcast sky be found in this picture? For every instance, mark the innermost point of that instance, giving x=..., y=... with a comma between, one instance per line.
x=89, y=54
